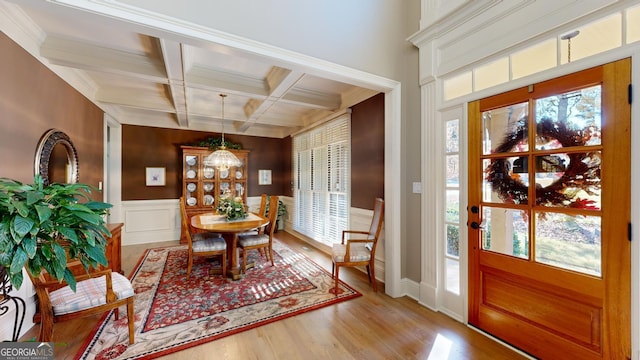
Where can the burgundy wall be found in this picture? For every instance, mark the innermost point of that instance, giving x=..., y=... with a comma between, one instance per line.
x=33, y=100
x=156, y=147
x=367, y=152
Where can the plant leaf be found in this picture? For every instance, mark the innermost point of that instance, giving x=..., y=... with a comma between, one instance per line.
x=69, y=234
x=29, y=244
x=19, y=259
x=16, y=279
x=22, y=225
x=89, y=217
x=5, y=258
x=60, y=260
x=44, y=212
x=21, y=207
x=70, y=279
x=34, y=196
x=98, y=205
x=97, y=253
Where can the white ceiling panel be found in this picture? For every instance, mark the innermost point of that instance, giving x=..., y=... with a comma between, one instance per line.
x=151, y=77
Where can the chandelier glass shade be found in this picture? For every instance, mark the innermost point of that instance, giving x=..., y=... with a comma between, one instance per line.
x=222, y=159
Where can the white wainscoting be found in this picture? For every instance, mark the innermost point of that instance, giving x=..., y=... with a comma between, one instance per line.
x=149, y=221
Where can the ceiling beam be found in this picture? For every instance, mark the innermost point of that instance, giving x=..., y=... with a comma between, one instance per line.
x=209, y=79
x=82, y=55
x=172, y=58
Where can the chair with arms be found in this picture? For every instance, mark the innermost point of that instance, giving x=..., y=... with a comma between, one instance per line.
x=359, y=252
x=261, y=240
x=203, y=243
x=95, y=293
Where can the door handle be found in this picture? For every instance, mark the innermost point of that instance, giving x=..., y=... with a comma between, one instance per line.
x=476, y=226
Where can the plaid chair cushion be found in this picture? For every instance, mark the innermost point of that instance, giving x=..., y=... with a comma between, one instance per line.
x=358, y=252
x=206, y=242
x=89, y=293
x=251, y=240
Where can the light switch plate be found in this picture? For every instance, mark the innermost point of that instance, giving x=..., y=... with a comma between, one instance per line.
x=417, y=187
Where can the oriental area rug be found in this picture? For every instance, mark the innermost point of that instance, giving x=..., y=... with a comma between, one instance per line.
x=173, y=313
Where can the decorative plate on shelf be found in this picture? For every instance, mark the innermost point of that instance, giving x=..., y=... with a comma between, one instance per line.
x=238, y=174
x=208, y=200
x=224, y=174
x=208, y=187
x=191, y=187
x=208, y=172
x=191, y=174
x=192, y=201
x=191, y=160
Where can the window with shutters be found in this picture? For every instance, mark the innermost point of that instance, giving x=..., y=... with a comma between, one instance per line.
x=322, y=180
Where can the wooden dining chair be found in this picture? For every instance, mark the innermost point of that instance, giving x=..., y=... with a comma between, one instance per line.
x=261, y=211
x=359, y=252
x=96, y=293
x=261, y=240
x=202, y=243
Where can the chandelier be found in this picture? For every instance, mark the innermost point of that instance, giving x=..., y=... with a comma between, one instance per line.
x=222, y=159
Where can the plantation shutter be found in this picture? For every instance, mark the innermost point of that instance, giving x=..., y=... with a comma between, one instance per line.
x=322, y=185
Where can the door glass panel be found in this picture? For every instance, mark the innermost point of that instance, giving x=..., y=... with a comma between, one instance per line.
x=505, y=232
x=453, y=137
x=453, y=240
x=507, y=180
x=569, y=119
x=453, y=206
x=452, y=271
x=570, y=242
x=569, y=180
x=505, y=129
x=453, y=170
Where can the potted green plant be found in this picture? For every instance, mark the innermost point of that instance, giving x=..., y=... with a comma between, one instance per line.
x=41, y=226
x=282, y=210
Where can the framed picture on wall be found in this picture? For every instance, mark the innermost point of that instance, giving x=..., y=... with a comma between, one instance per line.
x=264, y=177
x=155, y=176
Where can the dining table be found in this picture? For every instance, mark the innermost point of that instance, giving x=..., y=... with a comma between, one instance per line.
x=229, y=229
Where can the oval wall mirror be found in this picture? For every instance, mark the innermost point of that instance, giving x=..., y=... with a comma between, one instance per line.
x=56, y=158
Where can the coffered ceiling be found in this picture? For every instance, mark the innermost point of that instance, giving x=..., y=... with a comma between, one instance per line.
x=154, y=77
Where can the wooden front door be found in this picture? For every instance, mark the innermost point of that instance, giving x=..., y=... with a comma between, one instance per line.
x=549, y=214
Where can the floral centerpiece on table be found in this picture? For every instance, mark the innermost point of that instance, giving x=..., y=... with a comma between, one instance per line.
x=233, y=209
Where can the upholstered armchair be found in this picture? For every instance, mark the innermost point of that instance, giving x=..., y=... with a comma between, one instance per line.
x=95, y=293
x=359, y=252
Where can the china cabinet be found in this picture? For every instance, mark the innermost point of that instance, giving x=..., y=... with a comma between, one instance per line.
x=203, y=185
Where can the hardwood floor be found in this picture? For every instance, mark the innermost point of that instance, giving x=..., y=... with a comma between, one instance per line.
x=373, y=326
